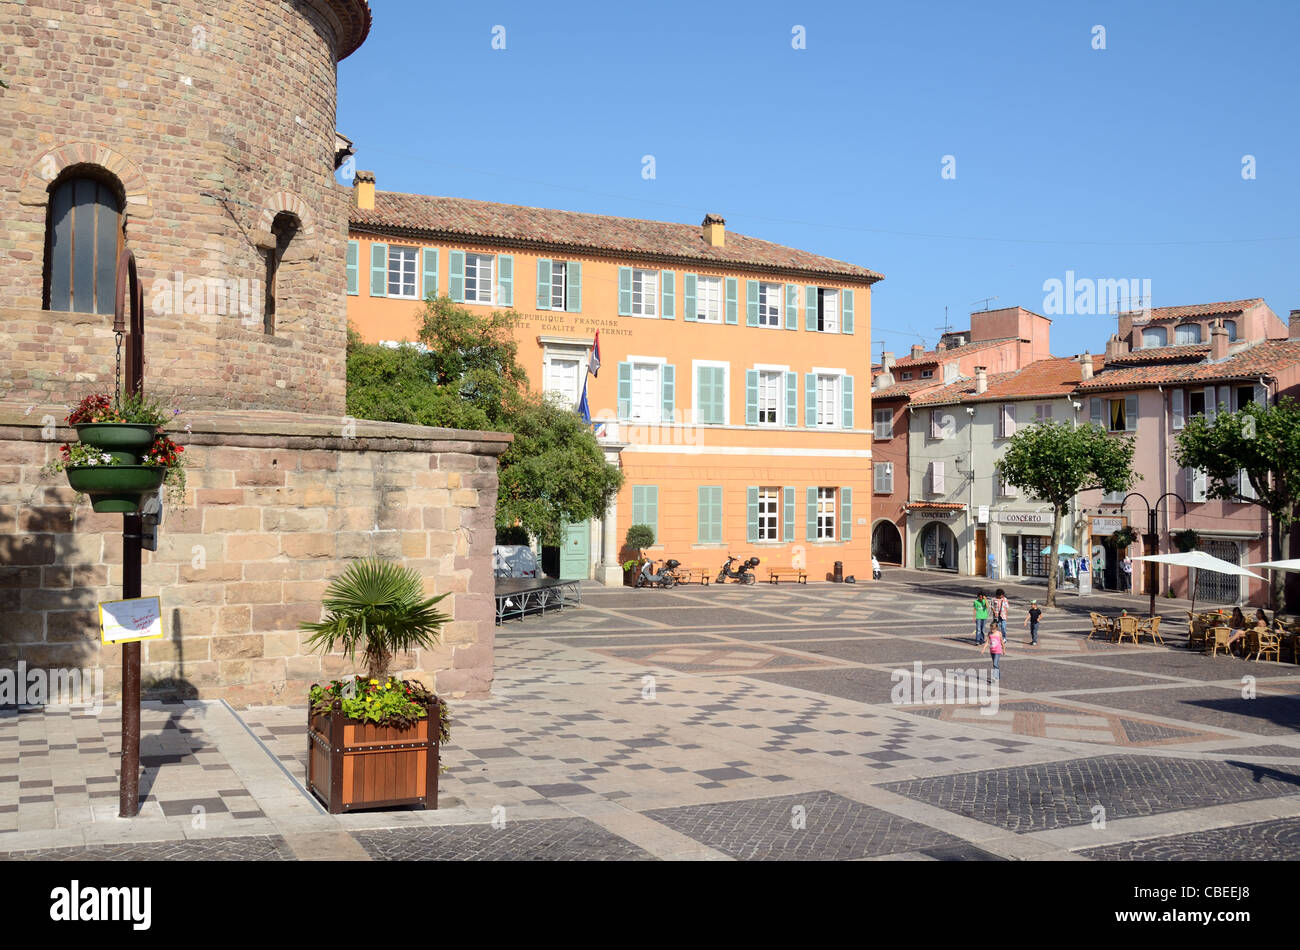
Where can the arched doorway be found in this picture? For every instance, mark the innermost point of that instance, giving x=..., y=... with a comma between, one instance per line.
x=936, y=548
x=887, y=543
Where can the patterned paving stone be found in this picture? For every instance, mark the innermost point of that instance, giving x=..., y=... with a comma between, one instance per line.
x=818, y=826
x=558, y=839
x=891, y=650
x=1277, y=840
x=246, y=848
x=1265, y=715
x=1063, y=794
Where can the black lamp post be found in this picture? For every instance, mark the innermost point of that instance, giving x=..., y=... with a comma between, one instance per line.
x=1150, y=542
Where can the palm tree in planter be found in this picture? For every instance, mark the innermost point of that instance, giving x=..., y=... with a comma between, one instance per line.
x=370, y=740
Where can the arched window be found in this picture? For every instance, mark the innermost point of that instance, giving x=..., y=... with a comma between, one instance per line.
x=1155, y=336
x=1188, y=333
x=1231, y=327
x=284, y=227
x=83, y=236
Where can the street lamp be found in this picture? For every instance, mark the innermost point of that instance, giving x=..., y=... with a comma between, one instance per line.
x=1150, y=542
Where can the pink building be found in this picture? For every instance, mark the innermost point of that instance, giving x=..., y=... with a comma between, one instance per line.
x=1149, y=390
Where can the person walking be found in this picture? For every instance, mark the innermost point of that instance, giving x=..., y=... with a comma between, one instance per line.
x=1031, y=621
x=875, y=568
x=1000, y=606
x=996, y=645
x=981, y=606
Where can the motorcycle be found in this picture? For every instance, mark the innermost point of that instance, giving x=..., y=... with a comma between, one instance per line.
x=665, y=577
x=743, y=575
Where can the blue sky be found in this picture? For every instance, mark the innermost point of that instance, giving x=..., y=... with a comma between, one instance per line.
x=1116, y=163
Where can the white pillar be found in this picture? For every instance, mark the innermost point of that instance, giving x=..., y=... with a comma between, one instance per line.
x=610, y=571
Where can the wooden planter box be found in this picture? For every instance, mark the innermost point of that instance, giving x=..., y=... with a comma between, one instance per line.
x=353, y=764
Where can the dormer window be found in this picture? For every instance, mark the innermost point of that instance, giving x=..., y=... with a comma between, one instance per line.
x=1188, y=333
x=1155, y=336
x=1231, y=327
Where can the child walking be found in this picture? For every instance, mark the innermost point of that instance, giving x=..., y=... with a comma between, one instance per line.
x=996, y=645
x=1031, y=621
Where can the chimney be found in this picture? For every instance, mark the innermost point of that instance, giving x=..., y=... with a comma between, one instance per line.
x=1218, y=342
x=365, y=188
x=1295, y=324
x=887, y=361
x=917, y=351
x=715, y=231
x=883, y=380
x=940, y=346
x=1115, y=346
x=1085, y=366
x=981, y=379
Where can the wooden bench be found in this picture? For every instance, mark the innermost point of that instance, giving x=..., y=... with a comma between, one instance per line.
x=798, y=574
x=693, y=575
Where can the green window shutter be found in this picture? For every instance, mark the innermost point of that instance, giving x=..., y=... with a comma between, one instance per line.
x=668, y=294
x=543, y=283
x=792, y=399
x=456, y=275
x=846, y=415
x=812, y=514
x=751, y=397
x=810, y=308
x=652, y=508
x=625, y=291
x=668, y=385
x=710, y=399
x=702, y=517
x=717, y=515
x=751, y=303
x=710, y=514
x=751, y=515
x=354, y=267
x=505, y=280
x=847, y=320
x=378, y=270
x=429, y=257
x=791, y=307
x=688, y=297
x=1131, y=413
x=573, y=287
x=788, y=505
x=810, y=399
x=1094, y=411
x=638, y=504
x=846, y=514
x=733, y=307
x=624, y=390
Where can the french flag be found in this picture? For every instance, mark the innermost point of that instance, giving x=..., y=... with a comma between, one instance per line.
x=593, y=364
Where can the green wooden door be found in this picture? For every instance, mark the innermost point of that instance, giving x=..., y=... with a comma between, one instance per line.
x=575, y=555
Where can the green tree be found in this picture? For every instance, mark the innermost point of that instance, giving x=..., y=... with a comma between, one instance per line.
x=1053, y=462
x=465, y=374
x=1264, y=441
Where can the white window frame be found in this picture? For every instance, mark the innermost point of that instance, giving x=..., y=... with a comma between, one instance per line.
x=927, y=374
x=560, y=281
x=563, y=351
x=771, y=304
x=825, y=325
x=827, y=510
x=837, y=412
x=778, y=372
x=658, y=362
x=640, y=298
x=701, y=314
x=1042, y=412
x=887, y=420
x=726, y=390
x=1178, y=341
x=400, y=252
x=477, y=259
x=773, y=496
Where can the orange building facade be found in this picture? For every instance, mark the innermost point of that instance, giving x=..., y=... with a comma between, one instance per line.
x=734, y=380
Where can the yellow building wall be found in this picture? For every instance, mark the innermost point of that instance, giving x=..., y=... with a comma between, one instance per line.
x=678, y=457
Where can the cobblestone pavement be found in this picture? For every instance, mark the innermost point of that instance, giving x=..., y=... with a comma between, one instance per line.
x=733, y=723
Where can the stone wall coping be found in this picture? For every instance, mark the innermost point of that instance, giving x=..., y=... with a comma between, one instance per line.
x=270, y=428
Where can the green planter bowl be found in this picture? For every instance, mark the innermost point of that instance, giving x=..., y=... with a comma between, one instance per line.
x=127, y=442
x=115, y=488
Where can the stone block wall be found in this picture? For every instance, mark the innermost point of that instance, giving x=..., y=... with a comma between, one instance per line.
x=276, y=505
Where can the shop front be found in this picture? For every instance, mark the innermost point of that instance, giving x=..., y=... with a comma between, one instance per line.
x=1107, y=556
x=934, y=531
x=1022, y=537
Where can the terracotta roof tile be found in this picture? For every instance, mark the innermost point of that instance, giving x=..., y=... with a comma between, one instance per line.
x=465, y=219
x=1265, y=358
x=1196, y=310
x=937, y=356
x=1184, y=353
x=1053, y=377
x=903, y=389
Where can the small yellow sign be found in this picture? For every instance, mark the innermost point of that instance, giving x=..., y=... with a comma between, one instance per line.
x=124, y=621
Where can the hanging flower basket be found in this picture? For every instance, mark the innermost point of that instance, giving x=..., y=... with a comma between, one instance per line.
x=127, y=442
x=115, y=488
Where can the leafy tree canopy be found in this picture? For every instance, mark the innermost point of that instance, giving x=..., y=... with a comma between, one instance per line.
x=465, y=374
x=1054, y=461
